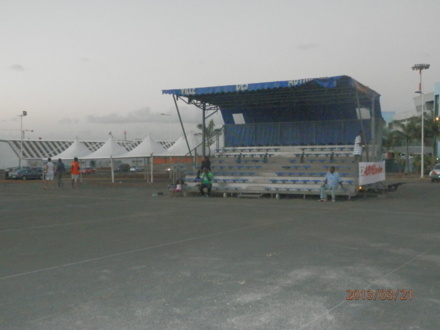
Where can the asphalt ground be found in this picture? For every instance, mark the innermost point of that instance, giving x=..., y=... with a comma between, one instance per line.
x=112, y=256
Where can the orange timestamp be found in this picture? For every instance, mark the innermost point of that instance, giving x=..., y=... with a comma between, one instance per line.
x=379, y=294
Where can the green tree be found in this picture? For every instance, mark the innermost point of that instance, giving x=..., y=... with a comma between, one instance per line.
x=387, y=139
x=402, y=133
x=432, y=130
x=210, y=132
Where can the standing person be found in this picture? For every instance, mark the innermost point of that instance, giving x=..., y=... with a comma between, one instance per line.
x=331, y=181
x=74, y=171
x=49, y=169
x=59, y=172
x=358, y=147
x=207, y=178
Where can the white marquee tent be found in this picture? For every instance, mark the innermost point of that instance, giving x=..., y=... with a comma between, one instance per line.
x=180, y=148
x=147, y=147
x=110, y=149
x=76, y=149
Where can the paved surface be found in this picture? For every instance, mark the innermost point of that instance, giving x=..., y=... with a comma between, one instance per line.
x=115, y=257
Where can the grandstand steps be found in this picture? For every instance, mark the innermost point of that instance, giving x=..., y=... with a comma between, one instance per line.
x=249, y=195
x=247, y=171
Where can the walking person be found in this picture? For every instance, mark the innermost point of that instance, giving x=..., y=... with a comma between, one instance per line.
x=59, y=172
x=331, y=182
x=49, y=170
x=74, y=171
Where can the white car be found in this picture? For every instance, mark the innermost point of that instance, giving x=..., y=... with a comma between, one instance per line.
x=136, y=169
x=435, y=173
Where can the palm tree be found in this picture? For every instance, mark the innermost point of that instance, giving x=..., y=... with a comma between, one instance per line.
x=210, y=132
x=411, y=130
x=387, y=139
x=405, y=132
x=432, y=130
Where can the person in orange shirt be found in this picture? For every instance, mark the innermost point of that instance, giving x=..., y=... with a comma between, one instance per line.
x=74, y=170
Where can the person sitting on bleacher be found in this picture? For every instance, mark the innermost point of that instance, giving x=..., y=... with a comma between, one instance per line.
x=177, y=190
x=331, y=181
x=206, y=178
x=206, y=163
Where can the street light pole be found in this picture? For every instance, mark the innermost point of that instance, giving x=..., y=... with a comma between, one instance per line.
x=23, y=114
x=420, y=68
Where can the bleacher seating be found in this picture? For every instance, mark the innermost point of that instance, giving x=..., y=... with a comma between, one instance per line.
x=295, y=170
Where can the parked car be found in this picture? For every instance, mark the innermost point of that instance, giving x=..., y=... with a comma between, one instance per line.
x=9, y=171
x=435, y=173
x=26, y=174
x=123, y=168
x=88, y=170
x=38, y=170
x=137, y=169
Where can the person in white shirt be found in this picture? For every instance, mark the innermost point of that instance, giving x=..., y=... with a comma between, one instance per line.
x=49, y=174
x=331, y=182
x=358, y=147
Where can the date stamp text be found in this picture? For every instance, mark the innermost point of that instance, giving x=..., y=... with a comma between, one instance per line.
x=379, y=294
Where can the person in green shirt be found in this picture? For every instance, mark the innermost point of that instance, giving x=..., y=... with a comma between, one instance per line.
x=206, y=178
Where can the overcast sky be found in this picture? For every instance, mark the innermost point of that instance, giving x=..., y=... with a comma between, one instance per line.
x=85, y=68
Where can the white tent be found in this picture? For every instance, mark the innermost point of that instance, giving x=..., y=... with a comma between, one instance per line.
x=180, y=147
x=147, y=147
x=110, y=149
x=76, y=149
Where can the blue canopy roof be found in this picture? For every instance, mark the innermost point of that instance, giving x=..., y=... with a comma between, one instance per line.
x=313, y=100
x=327, y=82
x=323, y=82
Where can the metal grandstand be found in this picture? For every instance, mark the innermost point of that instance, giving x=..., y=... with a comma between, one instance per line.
x=288, y=113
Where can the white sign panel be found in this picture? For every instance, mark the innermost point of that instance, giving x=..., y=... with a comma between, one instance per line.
x=363, y=113
x=238, y=118
x=371, y=172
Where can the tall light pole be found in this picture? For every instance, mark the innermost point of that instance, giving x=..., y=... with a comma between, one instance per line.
x=420, y=68
x=23, y=114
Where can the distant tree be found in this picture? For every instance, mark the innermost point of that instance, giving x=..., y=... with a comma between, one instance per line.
x=210, y=132
x=387, y=139
x=432, y=130
x=402, y=133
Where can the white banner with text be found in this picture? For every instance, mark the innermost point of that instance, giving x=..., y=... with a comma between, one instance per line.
x=371, y=172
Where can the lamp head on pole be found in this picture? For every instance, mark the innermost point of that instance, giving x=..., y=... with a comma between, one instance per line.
x=420, y=67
